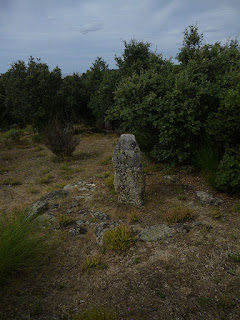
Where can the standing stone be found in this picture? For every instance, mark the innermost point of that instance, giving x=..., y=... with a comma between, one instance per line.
x=129, y=177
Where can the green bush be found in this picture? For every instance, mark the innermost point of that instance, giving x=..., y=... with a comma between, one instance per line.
x=228, y=174
x=21, y=245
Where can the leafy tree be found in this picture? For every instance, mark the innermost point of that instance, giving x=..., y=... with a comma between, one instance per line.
x=30, y=92
x=135, y=57
x=192, y=42
x=72, y=98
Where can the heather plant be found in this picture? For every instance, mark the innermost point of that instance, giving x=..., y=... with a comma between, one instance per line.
x=178, y=214
x=118, y=238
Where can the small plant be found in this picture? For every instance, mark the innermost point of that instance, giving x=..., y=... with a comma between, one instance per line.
x=94, y=262
x=46, y=179
x=178, y=214
x=109, y=182
x=21, y=244
x=13, y=134
x=11, y=182
x=225, y=303
x=107, y=160
x=236, y=208
x=38, y=138
x=133, y=217
x=64, y=221
x=32, y=190
x=97, y=313
x=161, y=294
x=66, y=170
x=3, y=170
x=151, y=168
x=204, y=302
x=60, y=139
x=118, y=238
x=235, y=256
x=216, y=214
x=137, y=260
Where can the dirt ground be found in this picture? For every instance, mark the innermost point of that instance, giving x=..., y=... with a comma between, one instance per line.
x=187, y=276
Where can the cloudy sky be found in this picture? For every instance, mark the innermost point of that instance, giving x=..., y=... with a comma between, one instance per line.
x=73, y=33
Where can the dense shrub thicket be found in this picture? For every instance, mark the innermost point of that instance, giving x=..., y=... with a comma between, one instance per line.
x=173, y=109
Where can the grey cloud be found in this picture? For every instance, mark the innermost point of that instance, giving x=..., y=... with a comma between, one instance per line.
x=90, y=28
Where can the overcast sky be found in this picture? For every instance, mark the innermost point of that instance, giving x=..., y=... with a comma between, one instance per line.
x=73, y=33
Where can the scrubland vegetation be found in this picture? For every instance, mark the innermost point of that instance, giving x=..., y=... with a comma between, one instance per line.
x=184, y=115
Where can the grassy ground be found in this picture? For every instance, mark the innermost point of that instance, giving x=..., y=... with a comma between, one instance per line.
x=189, y=276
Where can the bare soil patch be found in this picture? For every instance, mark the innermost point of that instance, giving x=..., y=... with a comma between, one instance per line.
x=187, y=276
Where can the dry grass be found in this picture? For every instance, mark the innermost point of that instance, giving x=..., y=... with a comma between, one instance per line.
x=178, y=214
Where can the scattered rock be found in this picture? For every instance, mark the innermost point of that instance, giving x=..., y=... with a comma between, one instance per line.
x=208, y=199
x=204, y=225
x=157, y=232
x=82, y=185
x=99, y=215
x=48, y=221
x=181, y=228
x=53, y=195
x=69, y=211
x=37, y=208
x=86, y=196
x=77, y=231
x=83, y=212
x=170, y=178
x=186, y=187
x=129, y=176
x=83, y=189
x=74, y=205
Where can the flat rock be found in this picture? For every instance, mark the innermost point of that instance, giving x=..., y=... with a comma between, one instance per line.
x=48, y=221
x=157, y=232
x=170, y=178
x=54, y=195
x=37, y=208
x=77, y=231
x=206, y=198
x=86, y=196
x=99, y=215
x=202, y=224
x=181, y=228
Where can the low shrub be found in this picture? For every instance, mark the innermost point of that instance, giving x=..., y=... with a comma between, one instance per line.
x=118, y=238
x=109, y=182
x=21, y=244
x=94, y=262
x=60, y=139
x=178, y=214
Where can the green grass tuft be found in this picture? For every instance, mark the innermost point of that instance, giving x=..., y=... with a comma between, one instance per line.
x=21, y=244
